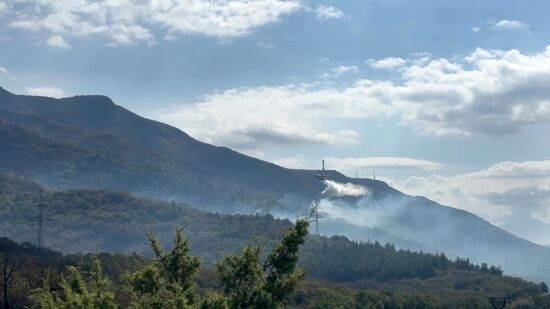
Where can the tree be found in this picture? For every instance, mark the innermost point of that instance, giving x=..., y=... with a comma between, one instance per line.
x=543, y=287
x=168, y=281
x=8, y=270
x=75, y=292
x=249, y=283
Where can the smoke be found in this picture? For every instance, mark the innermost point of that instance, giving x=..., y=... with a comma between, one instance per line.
x=416, y=223
x=336, y=189
x=354, y=213
x=419, y=224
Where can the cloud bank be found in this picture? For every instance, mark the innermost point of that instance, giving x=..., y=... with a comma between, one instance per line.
x=127, y=22
x=513, y=195
x=488, y=92
x=370, y=163
x=287, y=115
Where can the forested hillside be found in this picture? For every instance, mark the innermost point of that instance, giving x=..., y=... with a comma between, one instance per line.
x=447, y=285
x=87, y=220
x=89, y=142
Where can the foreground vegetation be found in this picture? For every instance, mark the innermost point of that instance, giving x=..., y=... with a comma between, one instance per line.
x=249, y=279
x=167, y=281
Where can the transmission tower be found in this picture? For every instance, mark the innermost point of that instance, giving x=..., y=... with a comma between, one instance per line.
x=40, y=219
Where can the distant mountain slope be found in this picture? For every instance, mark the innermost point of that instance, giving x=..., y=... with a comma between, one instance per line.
x=158, y=155
x=88, y=142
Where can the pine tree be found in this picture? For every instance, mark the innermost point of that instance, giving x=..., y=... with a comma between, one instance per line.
x=76, y=294
x=249, y=283
x=168, y=282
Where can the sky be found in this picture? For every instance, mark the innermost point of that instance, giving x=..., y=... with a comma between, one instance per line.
x=446, y=99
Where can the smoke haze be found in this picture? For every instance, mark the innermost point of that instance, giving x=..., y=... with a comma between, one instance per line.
x=336, y=189
x=417, y=223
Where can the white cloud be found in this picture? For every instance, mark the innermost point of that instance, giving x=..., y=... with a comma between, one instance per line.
x=369, y=163
x=507, y=24
x=267, y=45
x=475, y=29
x=292, y=114
x=130, y=21
x=340, y=70
x=222, y=18
x=5, y=72
x=508, y=169
x=328, y=12
x=58, y=42
x=513, y=195
x=489, y=92
x=386, y=63
x=46, y=91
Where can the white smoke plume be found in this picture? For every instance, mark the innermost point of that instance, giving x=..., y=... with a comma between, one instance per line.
x=336, y=189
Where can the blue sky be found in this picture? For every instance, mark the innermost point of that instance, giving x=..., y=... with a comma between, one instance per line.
x=447, y=99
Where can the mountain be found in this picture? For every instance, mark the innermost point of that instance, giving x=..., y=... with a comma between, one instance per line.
x=89, y=142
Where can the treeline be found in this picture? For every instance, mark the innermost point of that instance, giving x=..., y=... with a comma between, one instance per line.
x=314, y=295
x=450, y=289
x=340, y=260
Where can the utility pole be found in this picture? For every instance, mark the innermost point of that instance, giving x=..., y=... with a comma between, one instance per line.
x=323, y=164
